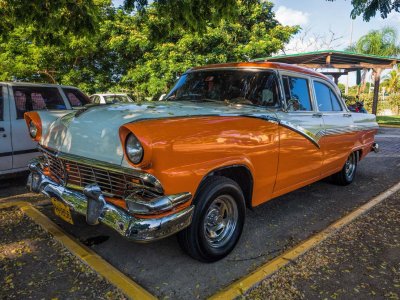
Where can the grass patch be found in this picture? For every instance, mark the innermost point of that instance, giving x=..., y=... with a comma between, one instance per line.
x=388, y=120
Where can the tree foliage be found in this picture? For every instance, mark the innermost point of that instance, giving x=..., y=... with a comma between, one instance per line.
x=369, y=8
x=383, y=42
x=47, y=19
x=138, y=52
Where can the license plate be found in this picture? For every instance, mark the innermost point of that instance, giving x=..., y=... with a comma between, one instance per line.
x=61, y=210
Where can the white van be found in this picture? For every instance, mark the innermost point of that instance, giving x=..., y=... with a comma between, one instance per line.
x=16, y=146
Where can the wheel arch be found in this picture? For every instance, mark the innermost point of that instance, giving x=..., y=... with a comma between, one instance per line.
x=241, y=174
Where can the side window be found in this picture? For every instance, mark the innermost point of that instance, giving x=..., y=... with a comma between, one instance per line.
x=326, y=99
x=335, y=102
x=75, y=97
x=36, y=98
x=1, y=104
x=297, y=93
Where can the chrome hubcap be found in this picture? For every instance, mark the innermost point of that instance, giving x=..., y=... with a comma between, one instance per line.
x=220, y=221
x=350, y=166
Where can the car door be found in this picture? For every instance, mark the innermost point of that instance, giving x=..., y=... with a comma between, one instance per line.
x=5, y=131
x=300, y=156
x=338, y=138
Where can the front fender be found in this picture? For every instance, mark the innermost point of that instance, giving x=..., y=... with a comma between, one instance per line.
x=187, y=149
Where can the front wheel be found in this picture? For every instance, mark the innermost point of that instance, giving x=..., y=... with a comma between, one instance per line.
x=348, y=172
x=217, y=221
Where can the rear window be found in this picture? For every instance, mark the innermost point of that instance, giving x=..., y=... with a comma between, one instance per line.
x=117, y=98
x=75, y=97
x=36, y=98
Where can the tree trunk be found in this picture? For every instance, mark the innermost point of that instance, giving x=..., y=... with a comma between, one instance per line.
x=377, y=79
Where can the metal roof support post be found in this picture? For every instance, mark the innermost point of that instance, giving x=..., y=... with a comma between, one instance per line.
x=336, y=78
x=377, y=79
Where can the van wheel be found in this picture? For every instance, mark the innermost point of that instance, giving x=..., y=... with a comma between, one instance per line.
x=217, y=220
x=348, y=172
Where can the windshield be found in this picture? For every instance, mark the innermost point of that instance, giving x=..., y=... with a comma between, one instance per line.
x=250, y=87
x=117, y=98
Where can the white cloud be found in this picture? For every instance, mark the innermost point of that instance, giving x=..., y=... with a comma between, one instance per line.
x=394, y=17
x=290, y=17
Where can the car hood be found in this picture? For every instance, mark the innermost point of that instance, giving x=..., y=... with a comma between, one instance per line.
x=94, y=132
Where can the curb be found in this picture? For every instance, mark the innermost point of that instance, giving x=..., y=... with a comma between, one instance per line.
x=130, y=288
x=241, y=286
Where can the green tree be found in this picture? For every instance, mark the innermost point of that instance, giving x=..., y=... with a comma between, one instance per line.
x=383, y=42
x=138, y=52
x=369, y=8
x=163, y=54
x=392, y=81
x=46, y=19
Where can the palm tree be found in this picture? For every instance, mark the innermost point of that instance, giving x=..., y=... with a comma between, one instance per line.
x=392, y=81
x=382, y=42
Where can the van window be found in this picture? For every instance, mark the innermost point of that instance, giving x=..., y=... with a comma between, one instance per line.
x=297, y=93
x=326, y=98
x=28, y=98
x=75, y=97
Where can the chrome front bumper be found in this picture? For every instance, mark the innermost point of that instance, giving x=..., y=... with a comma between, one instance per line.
x=91, y=204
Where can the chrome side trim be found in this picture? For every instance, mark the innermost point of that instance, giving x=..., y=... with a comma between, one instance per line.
x=131, y=227
x=146, y=177
x=313, y=138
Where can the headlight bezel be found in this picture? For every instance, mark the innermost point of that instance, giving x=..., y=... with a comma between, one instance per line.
x=33, y=129
x=134, y=149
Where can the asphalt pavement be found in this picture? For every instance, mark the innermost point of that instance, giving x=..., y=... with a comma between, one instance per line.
x=163, y=269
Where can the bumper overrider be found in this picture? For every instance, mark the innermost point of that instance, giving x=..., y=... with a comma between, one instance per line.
x=91, y=203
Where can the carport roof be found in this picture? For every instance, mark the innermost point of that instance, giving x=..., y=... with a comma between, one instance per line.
x=334, y=59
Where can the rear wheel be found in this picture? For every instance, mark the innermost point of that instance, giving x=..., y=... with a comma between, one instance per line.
x=348, y=172
x=217, y=221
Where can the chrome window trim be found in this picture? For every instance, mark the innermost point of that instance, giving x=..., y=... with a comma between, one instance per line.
x=146, y=177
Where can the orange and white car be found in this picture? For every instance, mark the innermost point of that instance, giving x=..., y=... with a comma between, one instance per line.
x=226, y=137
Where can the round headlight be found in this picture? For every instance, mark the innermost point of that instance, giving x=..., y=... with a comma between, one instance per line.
x=134, y=149
x=33, y=129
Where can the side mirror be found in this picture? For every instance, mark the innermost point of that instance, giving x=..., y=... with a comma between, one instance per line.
x=162, y=97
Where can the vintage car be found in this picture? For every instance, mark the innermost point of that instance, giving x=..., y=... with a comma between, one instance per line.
x=110, y=98
x=226, y=137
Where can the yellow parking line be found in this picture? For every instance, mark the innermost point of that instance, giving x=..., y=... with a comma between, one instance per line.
x=130, y=288
x=244, y=284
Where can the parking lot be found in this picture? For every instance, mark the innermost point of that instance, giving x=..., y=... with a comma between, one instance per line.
x=165, y=271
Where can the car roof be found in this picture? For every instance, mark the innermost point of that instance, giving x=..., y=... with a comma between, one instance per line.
x=262, y=65
x=37, y=84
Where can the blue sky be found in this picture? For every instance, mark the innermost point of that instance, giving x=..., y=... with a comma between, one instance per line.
x=318, y=16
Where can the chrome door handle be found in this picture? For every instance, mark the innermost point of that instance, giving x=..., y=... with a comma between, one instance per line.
x=347, y=115
x=317, y=115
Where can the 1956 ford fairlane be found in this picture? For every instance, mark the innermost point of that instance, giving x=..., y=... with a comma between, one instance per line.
x=226, y=137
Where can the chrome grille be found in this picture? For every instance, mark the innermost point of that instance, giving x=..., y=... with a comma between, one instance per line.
x=77, y=175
